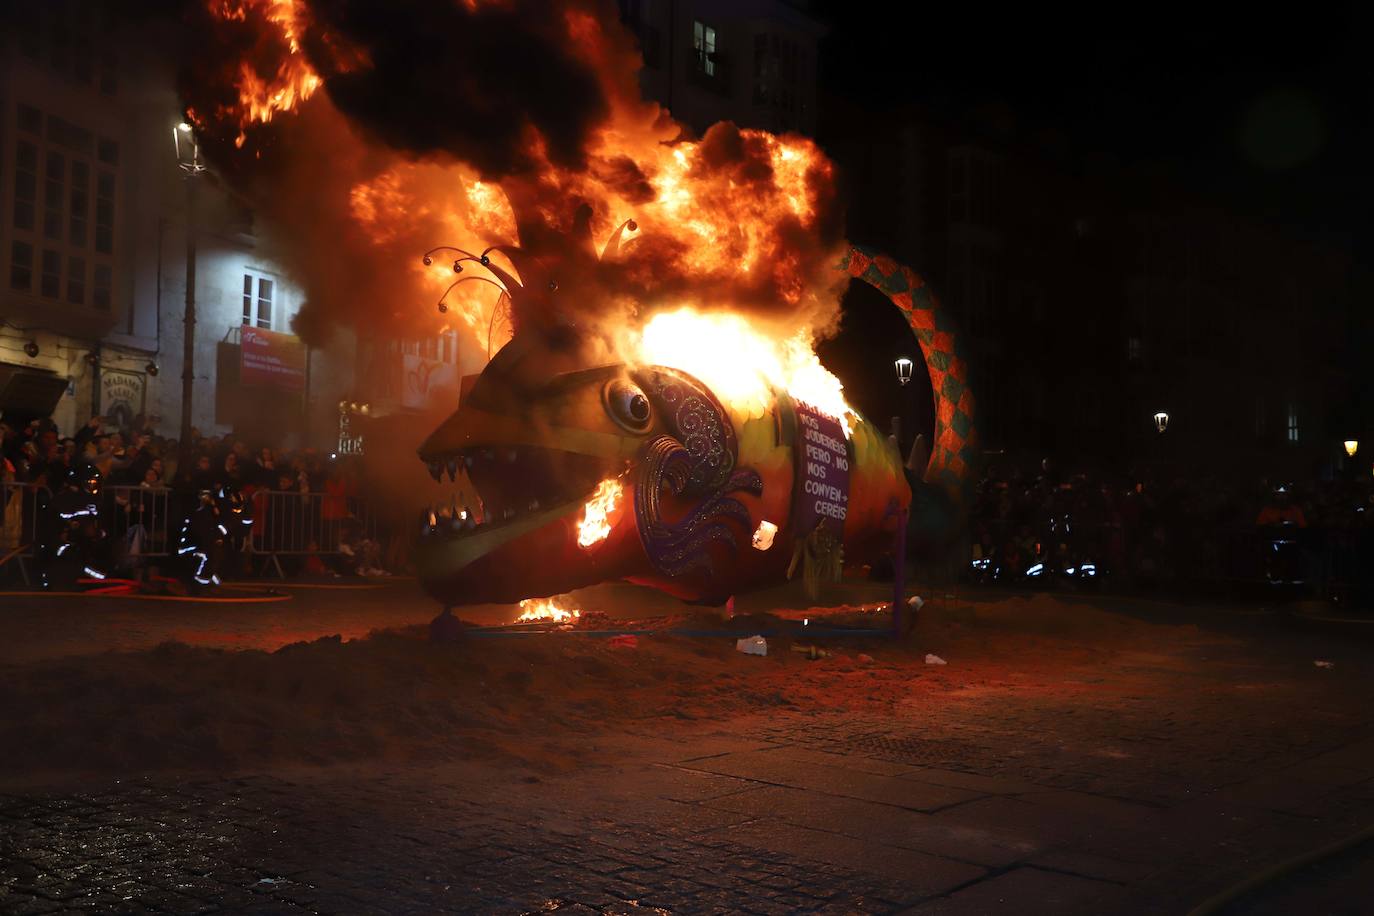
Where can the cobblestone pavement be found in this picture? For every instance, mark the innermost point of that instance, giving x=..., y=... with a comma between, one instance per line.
x=1166, y=776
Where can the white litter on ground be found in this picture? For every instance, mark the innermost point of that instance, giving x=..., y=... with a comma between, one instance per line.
x=752, y=645
x=935, y=660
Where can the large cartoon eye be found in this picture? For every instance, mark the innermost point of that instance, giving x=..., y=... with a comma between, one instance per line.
x=627, y=405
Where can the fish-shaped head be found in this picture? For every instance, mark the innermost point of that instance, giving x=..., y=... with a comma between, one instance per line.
x=567, y=476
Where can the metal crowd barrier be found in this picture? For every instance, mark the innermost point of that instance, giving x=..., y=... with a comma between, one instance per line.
x=287, y=524
x=144, y=519
x=19, y=525
x=144, y=523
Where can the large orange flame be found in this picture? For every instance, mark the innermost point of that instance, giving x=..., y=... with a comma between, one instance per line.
x=293, y=81
x=731, y=226
x=597, y=519
x=542, y=609
x=741, y=364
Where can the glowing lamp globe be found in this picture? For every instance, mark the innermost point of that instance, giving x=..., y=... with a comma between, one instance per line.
x=903, y=370
x=1162, y=420
x=1352, y=446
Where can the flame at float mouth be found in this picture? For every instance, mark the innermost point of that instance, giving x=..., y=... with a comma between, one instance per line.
x=599, y=514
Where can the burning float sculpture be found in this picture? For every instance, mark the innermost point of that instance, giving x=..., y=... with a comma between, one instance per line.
x=577, y=470
x=681, y=460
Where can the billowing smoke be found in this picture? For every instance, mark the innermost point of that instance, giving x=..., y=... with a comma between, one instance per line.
x=369, y=133
x=491, y=85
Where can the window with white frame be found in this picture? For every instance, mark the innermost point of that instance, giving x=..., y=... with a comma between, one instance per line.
x=259, y=295
x=1292, y=422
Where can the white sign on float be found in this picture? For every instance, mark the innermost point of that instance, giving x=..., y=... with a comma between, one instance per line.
x=822, y=491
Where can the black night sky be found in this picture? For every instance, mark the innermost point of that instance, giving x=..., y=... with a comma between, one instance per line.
x=1267, y=110
x=1269, y=116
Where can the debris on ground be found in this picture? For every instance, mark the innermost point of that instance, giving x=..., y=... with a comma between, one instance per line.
x=445, y=628
x=624, y=641
x=752, y=645
x=864, y=658
x=1323, y=663
x=935, y=660
x=811, y=652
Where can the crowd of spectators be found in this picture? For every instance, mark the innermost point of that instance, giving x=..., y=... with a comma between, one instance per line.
x=37, y=452
x=1148, y=531
x=135, y=456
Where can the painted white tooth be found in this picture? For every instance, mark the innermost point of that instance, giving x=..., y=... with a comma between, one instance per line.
x=435, y=470
x=453, y=469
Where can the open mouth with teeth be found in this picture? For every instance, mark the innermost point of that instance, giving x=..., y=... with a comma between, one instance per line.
x=523, y=479
x=512, y=526
x=508, y=483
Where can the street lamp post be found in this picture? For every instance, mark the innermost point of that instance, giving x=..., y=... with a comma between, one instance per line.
x=1162, y=420
x=189, y=161
x=1351, y=447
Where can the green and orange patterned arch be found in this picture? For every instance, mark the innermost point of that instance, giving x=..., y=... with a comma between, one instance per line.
x=953, y=453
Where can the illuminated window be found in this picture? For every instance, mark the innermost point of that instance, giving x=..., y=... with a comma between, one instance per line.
x=1292, y=422
x=704, y=43
x=258, y=293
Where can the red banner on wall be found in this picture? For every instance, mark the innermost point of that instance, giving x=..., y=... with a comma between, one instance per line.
x=273, y=359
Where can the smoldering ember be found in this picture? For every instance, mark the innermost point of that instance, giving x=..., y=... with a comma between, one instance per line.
x=685, y=456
